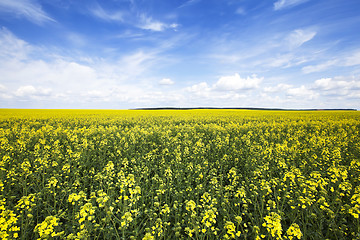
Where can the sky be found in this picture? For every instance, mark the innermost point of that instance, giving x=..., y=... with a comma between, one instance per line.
x=123, y=54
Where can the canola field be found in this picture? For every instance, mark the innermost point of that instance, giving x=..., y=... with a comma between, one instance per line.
x=189, y=174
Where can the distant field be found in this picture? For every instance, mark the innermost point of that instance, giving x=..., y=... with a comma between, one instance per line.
x=179, y=174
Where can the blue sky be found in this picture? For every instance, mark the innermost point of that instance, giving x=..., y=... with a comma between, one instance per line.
x=119, y=54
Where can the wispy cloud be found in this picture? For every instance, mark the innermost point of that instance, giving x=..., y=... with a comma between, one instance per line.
x=349, y=59
x=29, y=9
x=299, y=36
x=147, y=23
x=76, y=39
x=134, y=65
x=11, y=46
x=281, y=4
x=319, y=67
x=353, y=59
x=132, y=18
x=267, y=51
x=189, y=3
x=240, y=11
x=128, y=34
x=283, y=61
x=101, y=13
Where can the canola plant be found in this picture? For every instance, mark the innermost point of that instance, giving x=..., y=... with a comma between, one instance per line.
x=192, y=174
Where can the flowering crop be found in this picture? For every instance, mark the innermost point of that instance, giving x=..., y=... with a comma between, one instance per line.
x=194, y=174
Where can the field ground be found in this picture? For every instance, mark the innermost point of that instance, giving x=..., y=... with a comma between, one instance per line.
x=183, y=174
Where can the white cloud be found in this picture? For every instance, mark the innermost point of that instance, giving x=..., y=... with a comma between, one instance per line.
x=226, y=58
x=147, y=23
x=28, y=9
x=235, y=82
x=76, y=39
x=299, y=36
x=284, y=60
x=18, y=66
x=25, y=91
x=282, y=4
x=153, y=25
x=337, y=84
x=281, y=87
x=57, y=72
x=173, y=26
x=324, y=83
x=98, y=95
x=31, y=91
x=202, y=95
x=4, y=92
x=2, y=88
x=134, y=64
x=353, y=59
x=166, y=81
x=302, y=92
x=342, y=90
x=30, y=74
x=347, y=59
x=267, y=51
x=130, y=34
x=240, y=11
x=335, y=92
x=319, y=67
x=101, y=13
x=141, y=21
x=189, y=3
x=199, y=88
x=11, y=46
x=225, y=92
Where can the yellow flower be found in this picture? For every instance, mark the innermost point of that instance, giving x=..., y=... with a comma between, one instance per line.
x=294, y=231
x=52, y=182
x=46, y=228
x=273, y=224
x=73, y=198
x=238, y=219
x=190, y=205
x=148, y=236
x=126, y=219
x=230, y=227
x=25, y=203
x=87, y=212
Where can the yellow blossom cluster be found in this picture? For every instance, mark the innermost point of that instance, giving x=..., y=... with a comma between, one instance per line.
x=26, y=203
x=273, y=225
x=46, y=228
x=74, y=197
x=8, y=220
x=294, y=232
